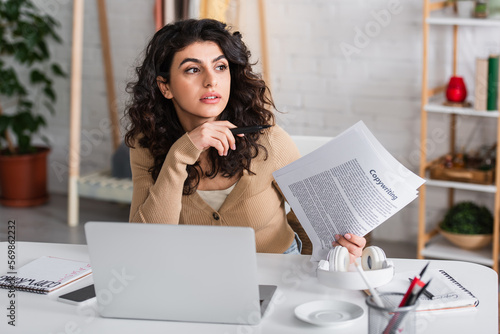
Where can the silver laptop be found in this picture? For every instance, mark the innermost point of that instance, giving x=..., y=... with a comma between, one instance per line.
x=176, y=272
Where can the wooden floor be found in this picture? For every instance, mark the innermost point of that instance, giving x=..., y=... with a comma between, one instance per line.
x=48, y=222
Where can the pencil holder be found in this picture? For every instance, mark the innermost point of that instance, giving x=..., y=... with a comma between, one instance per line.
x=390, y=319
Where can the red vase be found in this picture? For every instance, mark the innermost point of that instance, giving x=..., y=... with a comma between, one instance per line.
x=456, y=91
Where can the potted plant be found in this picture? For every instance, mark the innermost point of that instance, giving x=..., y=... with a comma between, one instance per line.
x=468, y=225
x=26, y=91
x=463, y=8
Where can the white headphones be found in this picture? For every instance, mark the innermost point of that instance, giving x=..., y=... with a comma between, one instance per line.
x=372, y=258
x=338, y=259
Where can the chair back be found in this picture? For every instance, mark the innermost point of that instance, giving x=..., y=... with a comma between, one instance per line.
x=307, y=144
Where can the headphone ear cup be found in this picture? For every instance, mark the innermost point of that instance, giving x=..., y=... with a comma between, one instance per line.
x=324, y=265
x=330, y=259
x=373, y=258
x=338, y=258
x=388, y=264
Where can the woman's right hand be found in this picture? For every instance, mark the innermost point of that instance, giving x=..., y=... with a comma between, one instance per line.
x=216, y=134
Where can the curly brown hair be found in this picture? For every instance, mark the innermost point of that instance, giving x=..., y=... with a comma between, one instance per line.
x=152, y=117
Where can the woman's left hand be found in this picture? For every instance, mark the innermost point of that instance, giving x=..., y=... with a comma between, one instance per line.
x=353, y=243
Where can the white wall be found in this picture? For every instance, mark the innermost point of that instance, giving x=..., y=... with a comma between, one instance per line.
x=333, y=62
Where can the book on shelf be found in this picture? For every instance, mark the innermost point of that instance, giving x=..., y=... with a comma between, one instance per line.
x=493, y=68
x=45, y=274
x=481, y=84
x=448, y=293
x=351, y=184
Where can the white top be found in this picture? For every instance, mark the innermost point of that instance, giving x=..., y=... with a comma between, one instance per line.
x=215, y=198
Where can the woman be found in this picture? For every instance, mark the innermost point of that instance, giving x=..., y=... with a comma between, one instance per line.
x=194, y=86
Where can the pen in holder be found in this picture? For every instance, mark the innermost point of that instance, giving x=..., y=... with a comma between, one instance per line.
x=373, y=292
x=391, y=318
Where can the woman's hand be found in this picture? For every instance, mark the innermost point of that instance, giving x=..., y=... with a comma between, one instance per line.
x=353, y=243
x=216, y=134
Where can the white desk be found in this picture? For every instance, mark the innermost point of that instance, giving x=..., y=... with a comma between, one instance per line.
x=293, y=274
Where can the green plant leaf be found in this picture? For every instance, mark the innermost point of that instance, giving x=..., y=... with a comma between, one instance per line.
x=57, y=70
x=12, y=10
x=24, y=143
x=26, y=103
x=10, y=84
x=7, y=48
x=40, y=121
x=44, y=50
x=468, y=218
x=22, y=53
x=4, y=123
x=37, y=76
x=25, y=32
x=51, y=94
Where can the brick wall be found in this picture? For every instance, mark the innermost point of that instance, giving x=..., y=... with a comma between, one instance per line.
x=332, y=63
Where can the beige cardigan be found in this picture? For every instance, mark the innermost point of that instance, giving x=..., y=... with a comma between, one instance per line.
x=254, y=202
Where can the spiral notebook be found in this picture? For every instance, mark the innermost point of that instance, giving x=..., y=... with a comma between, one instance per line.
x=45, y=274
x=448, y=292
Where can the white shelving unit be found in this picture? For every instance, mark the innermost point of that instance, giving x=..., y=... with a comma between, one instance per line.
x=441, y=13
x=438, y=107
x=444, y=19
x=441, y=248
x=462, y=186
x=430, y=243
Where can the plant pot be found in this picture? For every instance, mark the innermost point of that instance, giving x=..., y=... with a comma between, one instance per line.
x=23, y=179
x=467, y=241
x=494, y=9
x=465, y=8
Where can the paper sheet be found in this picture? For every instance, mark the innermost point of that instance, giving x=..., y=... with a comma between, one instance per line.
x=349, y=185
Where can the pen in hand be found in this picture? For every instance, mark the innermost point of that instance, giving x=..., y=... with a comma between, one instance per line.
x=249, y=129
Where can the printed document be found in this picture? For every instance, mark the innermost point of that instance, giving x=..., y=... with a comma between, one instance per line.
x=351, y=184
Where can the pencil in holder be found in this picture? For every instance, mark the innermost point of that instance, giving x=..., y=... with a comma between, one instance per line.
x=391, y=318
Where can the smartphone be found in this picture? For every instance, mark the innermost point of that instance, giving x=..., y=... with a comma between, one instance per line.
x=78, y=296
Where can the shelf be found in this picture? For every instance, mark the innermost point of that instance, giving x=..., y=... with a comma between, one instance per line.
x=461, y=185
x=438, y=107
x=441, y=248
x=444, y=19
x=440, y=13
